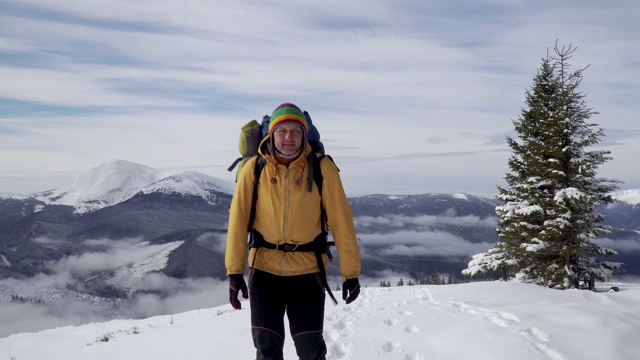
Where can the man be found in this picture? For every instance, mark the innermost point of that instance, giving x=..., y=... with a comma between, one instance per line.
x=287, y=272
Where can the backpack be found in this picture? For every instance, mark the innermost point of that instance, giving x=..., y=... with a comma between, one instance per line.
x=252, y=133
x=251, y=136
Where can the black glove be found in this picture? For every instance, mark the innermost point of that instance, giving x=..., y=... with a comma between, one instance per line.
x=350, y=290
x=236, y=283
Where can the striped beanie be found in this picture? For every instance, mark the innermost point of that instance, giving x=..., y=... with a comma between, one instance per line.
x=288, y=112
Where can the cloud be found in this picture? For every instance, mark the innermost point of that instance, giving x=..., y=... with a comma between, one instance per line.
x=48, y=241
x=615, y=137
x=119, y=253
x=90, y=82
x=186, y=295
x=219, y=241
x=183, y=295
x=16, y=318
x=383, y=275
x=423, y=243
x=425, y=221
x=49, y=299
x=622, y=245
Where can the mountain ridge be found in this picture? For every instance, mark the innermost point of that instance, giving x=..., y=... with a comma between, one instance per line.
x=119, y=180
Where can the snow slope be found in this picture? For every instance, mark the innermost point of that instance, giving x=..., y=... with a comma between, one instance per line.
x=482, y=321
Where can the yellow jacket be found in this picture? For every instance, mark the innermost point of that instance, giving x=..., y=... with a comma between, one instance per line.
x=286, y=212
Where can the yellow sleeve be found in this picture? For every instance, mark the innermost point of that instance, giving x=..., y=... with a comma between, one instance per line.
x=340, y=220
x=239, y=212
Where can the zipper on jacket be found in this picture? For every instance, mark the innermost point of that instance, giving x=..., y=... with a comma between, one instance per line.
x=286, y=217
x=286, y=205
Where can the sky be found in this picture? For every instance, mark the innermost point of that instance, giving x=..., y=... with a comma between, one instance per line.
x=481, y=321
x=410, y=97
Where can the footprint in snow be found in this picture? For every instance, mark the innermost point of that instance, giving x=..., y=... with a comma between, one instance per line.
x=424, y=297
x=332, y=316
x=390, y=346
x=344, y=325
x=391, y=322
x=338, y=350
x=411, y=329
x=331, y=335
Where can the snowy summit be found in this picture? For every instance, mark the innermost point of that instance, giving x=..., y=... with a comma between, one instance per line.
x=119, y=180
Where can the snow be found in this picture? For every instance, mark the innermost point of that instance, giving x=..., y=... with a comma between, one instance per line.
x=4, y=261
x=119, y=180
x=12, y=196
x=128, y=276
x=482, y=320
x=105, y=185
x=189, y=183
x=631, y=197
x=461, y=196
x=396, y=197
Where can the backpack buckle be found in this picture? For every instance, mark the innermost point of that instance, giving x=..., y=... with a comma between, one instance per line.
x=288, y=247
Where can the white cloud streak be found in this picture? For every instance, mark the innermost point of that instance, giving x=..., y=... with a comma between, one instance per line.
x=401, y=221
x=120, y=253
x=423, y=243
x=622, y=245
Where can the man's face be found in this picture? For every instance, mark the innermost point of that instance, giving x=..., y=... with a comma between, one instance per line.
x=288, y=138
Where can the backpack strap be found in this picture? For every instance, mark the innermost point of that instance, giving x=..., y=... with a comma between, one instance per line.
x=316, y=175
x=235, y=163
x=257, y=170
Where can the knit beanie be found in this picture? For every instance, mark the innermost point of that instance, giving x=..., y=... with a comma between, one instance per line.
x=288, y=112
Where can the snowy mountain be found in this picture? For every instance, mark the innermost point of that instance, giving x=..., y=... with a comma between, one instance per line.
x=480, y=321
x=631, y=197
x=119, y=180
x=102, y=186
x=190, y=183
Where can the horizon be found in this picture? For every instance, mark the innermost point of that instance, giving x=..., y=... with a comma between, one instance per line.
x=409, y=98
x=97, y=184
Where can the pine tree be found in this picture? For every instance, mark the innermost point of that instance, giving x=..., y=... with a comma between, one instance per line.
x=434, y=279
x=548, y=220
x=452, y=278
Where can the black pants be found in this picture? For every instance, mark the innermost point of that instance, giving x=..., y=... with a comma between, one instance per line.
x=302, y=298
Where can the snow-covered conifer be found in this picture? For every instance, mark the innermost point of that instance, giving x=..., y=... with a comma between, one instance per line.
x=547, y=219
